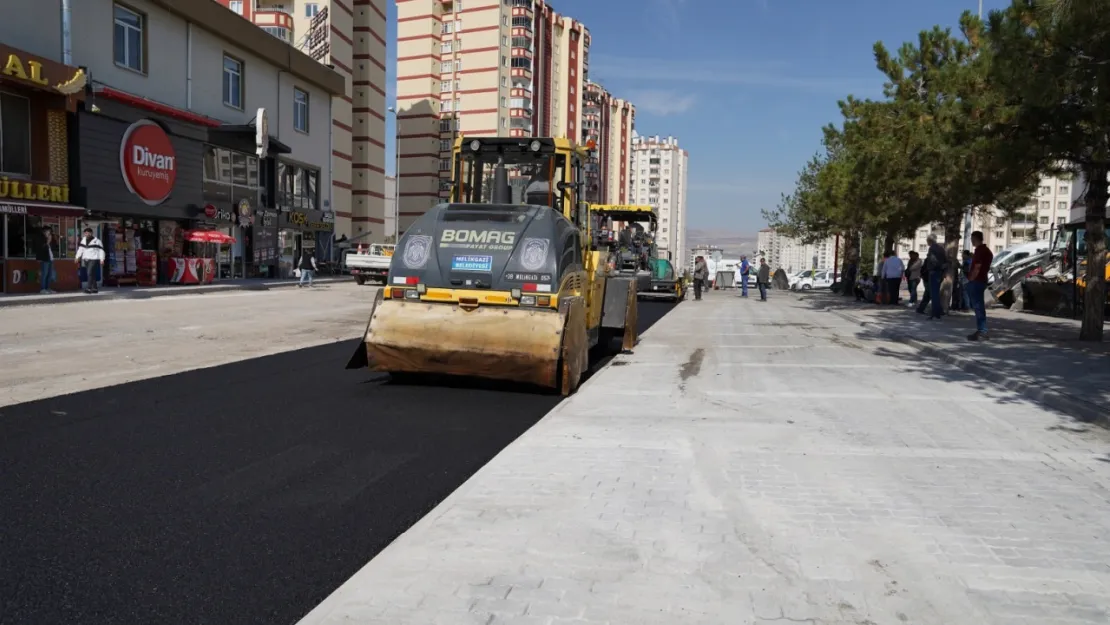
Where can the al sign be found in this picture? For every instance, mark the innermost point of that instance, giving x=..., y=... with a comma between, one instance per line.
x=148, y=162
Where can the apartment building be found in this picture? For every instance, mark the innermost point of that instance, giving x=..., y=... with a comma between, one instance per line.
x=792, y=255
x=609, y=122
x=658, y=178
x=1057, y=201
x=349, y=36
x=510, y=68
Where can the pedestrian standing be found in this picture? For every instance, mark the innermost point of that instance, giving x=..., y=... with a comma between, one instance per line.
x=307, y=267
x=701, y=273
x=893, y=268
x=763, y=279
x=90, y=255
x=745, y=269
x=44, y=253
x=937, y=262
x=913, y=276
x=977, y=285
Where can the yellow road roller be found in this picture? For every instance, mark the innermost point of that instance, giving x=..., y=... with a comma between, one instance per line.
x=502, y=281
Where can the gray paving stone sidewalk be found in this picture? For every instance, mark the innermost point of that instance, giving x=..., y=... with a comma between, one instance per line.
x=1039, y=356
x=763, y=463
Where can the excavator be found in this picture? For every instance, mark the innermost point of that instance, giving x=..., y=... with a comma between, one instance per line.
x=501, y=282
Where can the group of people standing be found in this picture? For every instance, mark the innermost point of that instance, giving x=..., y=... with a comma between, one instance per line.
x=969, y=290
x=762, y=277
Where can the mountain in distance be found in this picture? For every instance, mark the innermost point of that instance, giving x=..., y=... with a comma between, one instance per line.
x=732, y=243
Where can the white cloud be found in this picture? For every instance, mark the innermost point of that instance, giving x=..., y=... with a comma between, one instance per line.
x=660, y=102
x=772, y=74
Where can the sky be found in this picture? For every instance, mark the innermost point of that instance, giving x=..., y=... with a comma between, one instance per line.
x=745, y=85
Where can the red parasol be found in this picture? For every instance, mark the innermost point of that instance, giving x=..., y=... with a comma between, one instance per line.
x=208, y=236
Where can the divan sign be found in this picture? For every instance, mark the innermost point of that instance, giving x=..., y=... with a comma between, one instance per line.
x=148, y=162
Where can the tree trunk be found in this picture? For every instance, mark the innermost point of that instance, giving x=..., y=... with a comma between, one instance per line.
x=1094, y=296
x=888, y=243
x=953, y=224
x=849, y=256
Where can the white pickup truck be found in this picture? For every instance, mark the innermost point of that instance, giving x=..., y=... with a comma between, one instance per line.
x=370, y=263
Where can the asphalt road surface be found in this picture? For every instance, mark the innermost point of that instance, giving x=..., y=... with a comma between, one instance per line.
x=244, y=493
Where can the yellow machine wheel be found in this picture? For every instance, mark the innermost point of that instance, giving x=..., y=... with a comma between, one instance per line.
x=574, y=358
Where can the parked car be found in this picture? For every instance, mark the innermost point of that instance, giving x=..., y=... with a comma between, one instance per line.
x=811, y=279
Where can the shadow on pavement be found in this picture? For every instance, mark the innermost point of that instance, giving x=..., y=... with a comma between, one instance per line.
x=1040, y=358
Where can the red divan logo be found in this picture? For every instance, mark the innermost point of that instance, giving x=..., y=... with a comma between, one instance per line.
x=148, y=162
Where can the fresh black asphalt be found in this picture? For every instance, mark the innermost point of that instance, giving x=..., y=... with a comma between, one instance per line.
x=239, y=494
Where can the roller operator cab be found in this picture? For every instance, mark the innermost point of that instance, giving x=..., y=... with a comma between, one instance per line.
x=501, y=281
x=627, y=233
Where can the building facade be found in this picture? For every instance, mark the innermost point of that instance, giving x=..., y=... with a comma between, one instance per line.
x=792, y=255
x=349, y=36
x=658, y=178
x=480, y=67
x=193, y=120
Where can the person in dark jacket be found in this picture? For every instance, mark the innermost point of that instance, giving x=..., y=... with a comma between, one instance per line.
x=43, y=244
x=763, y=279
x=307, y=267
x=701, y=274
x=936, y=264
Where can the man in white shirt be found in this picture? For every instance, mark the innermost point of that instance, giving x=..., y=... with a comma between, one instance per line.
x=90, y=255
x=893, y=268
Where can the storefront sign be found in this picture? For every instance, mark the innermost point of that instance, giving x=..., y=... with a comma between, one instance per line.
x=33, y=191
x=265, y=232
x=312, y=220
x=209, y=211
x=41, y=73
x=148, y=162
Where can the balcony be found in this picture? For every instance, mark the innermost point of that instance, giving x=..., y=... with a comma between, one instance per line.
x=280, y=18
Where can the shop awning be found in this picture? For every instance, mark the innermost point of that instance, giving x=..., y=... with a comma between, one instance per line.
x=247, y=130
x=44, y=209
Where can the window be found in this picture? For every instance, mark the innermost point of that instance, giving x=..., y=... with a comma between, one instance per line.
x=233, y=82
x=444, y=185
x=1045, y=190
x=1044, y=220
x=1063, y=189
x=311, y=9
x=444, y=145
x=445, y=125
x=458, y=65
x=1061, y=220
x=998, y=234
x=445, y=164
x=445, y=47
x=445, y=106
x=15, y=134
x=1062, y=206
x=445, y=86
x=236, y=6
x=1046, y=205
x=298, y=187
x=300, y=109
x=504, y=40
x=447, y=28
x=129, y=39
x=445, y=67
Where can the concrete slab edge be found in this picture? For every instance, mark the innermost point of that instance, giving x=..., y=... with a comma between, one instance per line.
x=323, y=610
x=1076, y=408
x=216, y=288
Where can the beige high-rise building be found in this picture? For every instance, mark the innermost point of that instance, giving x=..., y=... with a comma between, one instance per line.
x=658, y=178
x=609, y=122
x=480, y=67
x=348, y=35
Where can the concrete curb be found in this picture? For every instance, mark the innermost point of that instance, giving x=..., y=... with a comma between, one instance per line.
x=1076, y=408
x=68, y=298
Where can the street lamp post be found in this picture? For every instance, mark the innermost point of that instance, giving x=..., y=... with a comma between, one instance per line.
x=396, y=173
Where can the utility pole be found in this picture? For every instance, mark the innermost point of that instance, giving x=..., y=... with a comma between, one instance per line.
x=396, y=173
